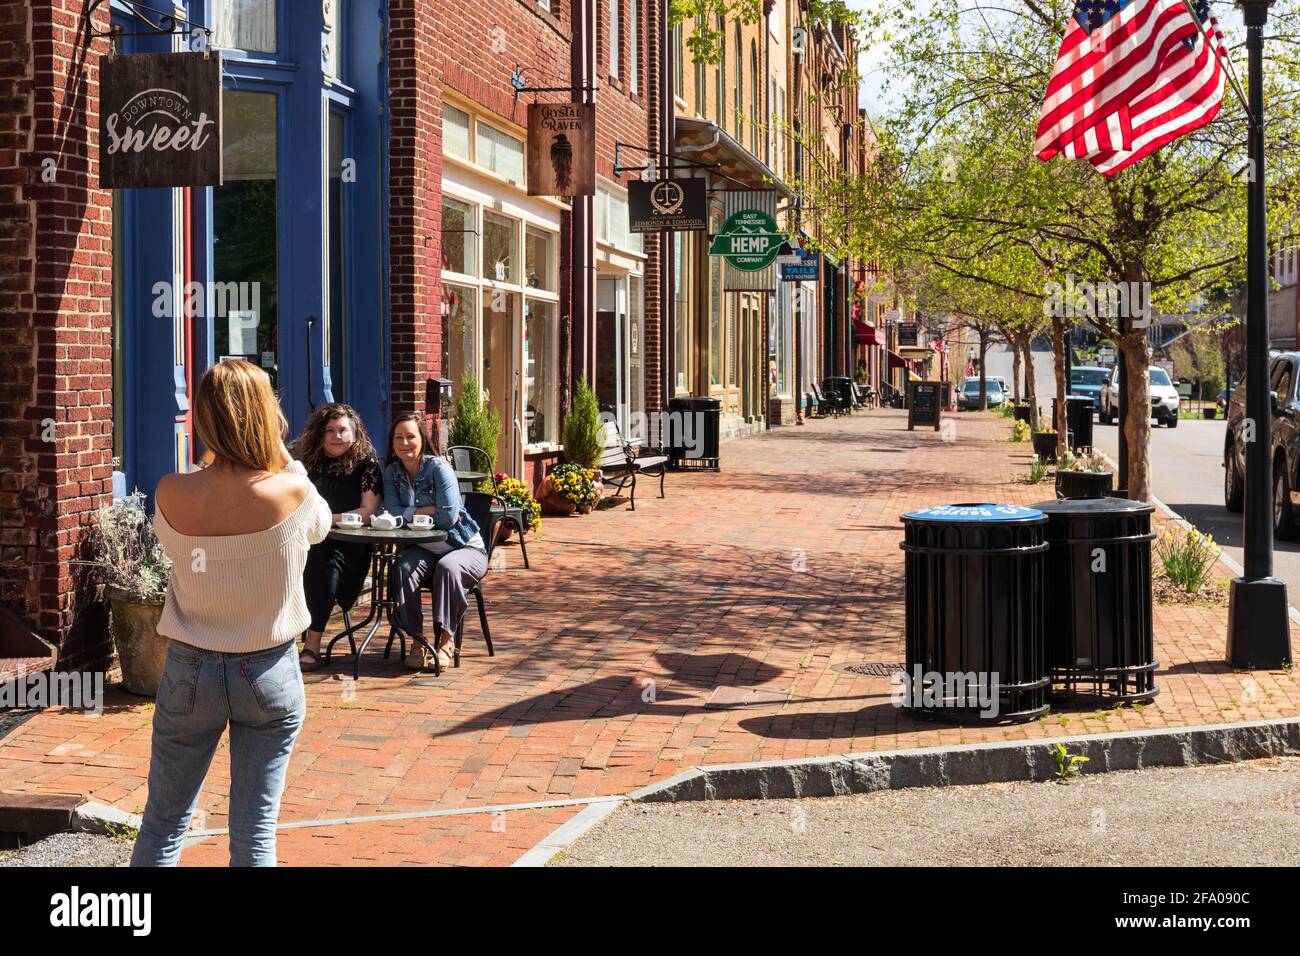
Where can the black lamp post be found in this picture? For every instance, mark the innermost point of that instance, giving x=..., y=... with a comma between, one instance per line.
x=1258, y=631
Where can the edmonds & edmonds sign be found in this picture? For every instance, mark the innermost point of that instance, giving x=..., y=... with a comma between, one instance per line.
x=160, y=120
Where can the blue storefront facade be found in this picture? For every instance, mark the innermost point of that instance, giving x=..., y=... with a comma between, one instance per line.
x=284, y=264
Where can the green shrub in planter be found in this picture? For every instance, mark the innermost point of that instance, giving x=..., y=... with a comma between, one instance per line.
x=584, y=433
x=474, y=422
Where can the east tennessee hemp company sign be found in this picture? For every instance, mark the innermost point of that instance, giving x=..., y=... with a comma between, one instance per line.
x=160, y=120
x=749, y=240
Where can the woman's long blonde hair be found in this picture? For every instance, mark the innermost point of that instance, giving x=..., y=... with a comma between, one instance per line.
x=237, y=417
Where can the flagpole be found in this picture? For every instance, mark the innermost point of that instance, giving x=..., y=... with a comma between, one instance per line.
x=1258, y=627
x=1224, y=59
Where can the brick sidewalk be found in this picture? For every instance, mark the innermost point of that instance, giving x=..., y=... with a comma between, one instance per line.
x=769, y=576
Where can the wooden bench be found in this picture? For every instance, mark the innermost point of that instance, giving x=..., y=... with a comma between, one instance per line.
x=619, y=462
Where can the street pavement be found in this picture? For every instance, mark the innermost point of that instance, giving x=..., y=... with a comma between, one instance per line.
x=1186, y=472
x=715, y=625
x=1245, y=814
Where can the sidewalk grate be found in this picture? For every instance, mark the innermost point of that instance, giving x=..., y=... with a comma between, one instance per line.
x=873, y=668
x=11, y=720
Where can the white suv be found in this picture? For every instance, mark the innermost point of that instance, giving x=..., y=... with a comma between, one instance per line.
x=1164, y=398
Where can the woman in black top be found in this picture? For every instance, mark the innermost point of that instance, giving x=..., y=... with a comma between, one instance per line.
x=341, y=463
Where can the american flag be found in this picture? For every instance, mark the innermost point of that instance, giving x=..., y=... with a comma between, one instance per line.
x=1131, y=77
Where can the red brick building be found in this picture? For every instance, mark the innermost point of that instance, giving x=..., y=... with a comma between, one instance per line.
x=407, y=156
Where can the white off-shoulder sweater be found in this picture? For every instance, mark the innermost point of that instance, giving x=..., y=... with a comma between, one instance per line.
x=241, y=593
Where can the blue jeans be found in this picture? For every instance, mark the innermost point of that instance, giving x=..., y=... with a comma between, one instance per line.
x=261, y=696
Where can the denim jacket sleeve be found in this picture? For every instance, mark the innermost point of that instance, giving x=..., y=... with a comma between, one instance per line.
x=446, y=495
x=394, y=484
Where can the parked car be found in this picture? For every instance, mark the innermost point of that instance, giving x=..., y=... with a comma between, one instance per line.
x=1164, y=398
x=969, y=396
x=1087, y=380
x=1284, y=444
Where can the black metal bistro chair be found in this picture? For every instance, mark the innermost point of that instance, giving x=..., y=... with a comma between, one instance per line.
x=469, y=458
x=480, y=508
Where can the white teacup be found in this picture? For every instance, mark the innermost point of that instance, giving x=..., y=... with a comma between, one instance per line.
x=423, y=522
x=349, y=520
x=386, y=522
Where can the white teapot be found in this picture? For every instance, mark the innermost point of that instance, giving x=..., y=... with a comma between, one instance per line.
x=386, y=522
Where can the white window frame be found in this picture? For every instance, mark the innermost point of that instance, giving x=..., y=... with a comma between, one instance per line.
x=615, y=37
x=523, y=220
x=633, y=41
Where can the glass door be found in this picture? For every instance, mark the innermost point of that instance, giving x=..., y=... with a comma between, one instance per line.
x=611, y=338
x=501, y=382
x=245, y=230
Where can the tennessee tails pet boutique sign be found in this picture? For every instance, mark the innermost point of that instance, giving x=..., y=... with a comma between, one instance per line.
x=160, y=120
x=562, y=149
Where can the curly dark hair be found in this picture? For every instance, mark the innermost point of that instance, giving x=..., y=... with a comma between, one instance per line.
x=309, y=447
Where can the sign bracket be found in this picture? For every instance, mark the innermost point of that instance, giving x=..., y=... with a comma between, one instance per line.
x=166, y=23
x=519, y=85
x=673, y=161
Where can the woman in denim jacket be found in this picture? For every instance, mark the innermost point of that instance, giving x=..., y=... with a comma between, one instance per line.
x=418, y=482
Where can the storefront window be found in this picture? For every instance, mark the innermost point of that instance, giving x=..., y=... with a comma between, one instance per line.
x=245, y=25
x=499, y=368
x=458, y=238
x=337, y=37
x=500, y=248
x=459, y=333
x=455, y=132
x=499, y=152
x=636, y=359
x=682, y=250
x=715, y=320
x=245, y=231
x=336, y=271
x=539, y=260
x=541, y=391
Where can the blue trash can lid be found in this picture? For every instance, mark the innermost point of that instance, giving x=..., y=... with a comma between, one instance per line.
x=975, y=512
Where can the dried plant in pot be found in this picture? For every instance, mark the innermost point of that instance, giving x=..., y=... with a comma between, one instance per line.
x=129, y=561
x=1083, y=476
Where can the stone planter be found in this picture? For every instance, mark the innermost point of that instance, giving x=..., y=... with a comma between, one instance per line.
x=1083, y=484
x=1022, y=413
x=141, y=650
x=1045, y=446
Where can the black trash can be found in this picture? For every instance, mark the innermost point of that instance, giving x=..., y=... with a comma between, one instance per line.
x=693, y=430
x=1099, y=642
x=1078, y=420
x=975, y=582
x=1024, y=414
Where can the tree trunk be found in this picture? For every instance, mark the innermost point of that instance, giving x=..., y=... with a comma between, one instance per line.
x=1058, y=356
x=1015, y=369
x=984, y=392
x=1137, y=424
x=1031, y=386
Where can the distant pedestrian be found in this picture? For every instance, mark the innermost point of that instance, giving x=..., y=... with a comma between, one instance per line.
x=238, y=533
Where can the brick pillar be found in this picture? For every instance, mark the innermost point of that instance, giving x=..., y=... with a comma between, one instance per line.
x=55, y=321
x=415, y=203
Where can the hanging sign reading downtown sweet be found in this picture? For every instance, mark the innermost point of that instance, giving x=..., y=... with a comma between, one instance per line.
x=677, y=205
x=562, y=149
x=749, y=240
x=160, y=120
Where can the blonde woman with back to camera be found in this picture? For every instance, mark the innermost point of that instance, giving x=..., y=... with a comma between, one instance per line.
x=238, y=533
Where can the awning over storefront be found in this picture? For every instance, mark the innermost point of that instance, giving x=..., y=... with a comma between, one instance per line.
x=865, y=334
x=897, y=361
x=704, y=142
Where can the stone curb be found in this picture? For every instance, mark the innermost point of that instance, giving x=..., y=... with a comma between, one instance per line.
x=969, y=764
x=103, y=819
x=563, y=836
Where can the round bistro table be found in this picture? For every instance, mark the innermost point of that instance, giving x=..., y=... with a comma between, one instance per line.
x=388, y=546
